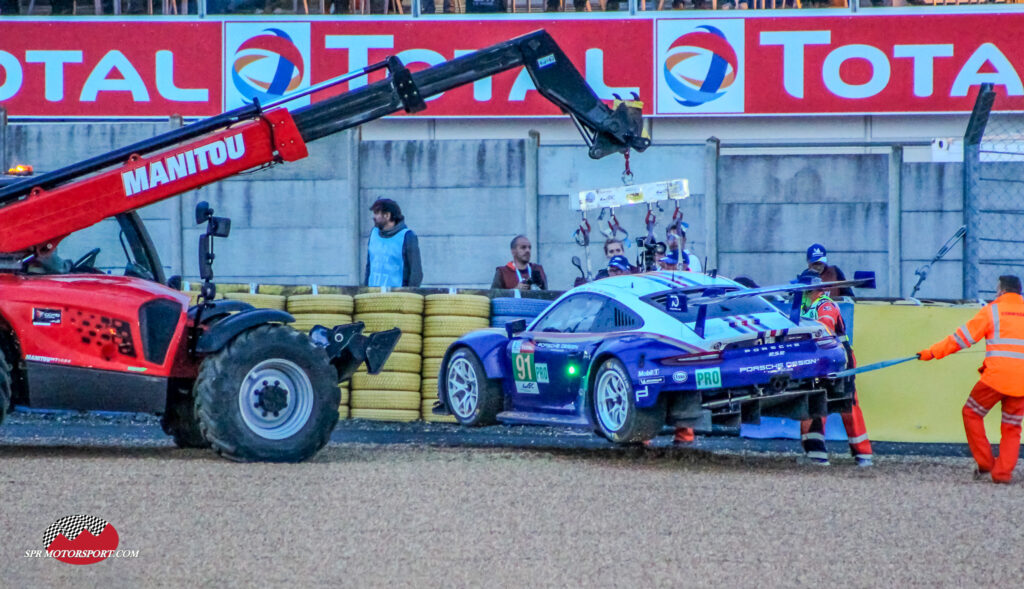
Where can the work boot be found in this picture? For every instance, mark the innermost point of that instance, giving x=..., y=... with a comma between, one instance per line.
x=979, y=474
x=684, y=435
x=814, y=460
x=864, y=461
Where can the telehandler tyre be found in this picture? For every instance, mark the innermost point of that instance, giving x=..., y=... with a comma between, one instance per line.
x=5, y=387
x=180, y=422
x=270, y=395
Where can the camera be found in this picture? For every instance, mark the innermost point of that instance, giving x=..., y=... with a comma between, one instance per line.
x=648, y=254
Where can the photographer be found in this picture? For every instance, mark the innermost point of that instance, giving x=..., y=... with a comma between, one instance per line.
x=648, y=254
x=520, y=273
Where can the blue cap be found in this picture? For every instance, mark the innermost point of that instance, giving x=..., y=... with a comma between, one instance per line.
x=620, y=262
x=816, y=253
x=670, y=258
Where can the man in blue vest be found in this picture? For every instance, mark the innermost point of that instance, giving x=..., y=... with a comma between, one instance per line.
x=393, y=255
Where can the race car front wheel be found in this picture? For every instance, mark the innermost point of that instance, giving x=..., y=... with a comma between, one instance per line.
x=472, y=398
x=615, y=412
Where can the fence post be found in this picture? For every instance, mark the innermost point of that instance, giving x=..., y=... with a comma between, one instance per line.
x=712, y=149
x=895, y=221
x=972, y=164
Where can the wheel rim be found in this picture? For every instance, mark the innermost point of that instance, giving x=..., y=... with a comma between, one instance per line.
x=612, y=400
x=463, y=387
x=276, y=386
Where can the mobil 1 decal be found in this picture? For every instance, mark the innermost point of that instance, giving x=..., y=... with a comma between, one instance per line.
x=525, y=370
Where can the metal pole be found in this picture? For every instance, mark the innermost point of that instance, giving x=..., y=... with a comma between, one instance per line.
x=711, y=154
x=530, y=176
x=895, y=221
x=972, y=166
x=633, y=7
x=202, y=9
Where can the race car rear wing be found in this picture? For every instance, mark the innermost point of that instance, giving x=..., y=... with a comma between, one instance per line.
x=678, y=301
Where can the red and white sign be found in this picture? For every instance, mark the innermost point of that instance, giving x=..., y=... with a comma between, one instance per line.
x=891, y=63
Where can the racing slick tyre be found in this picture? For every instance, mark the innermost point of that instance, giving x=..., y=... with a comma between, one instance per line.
x=471, y=397
x=615, y=412
x=180, y=422
x=269, y=395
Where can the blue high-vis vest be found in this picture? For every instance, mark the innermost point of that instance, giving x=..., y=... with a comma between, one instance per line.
x=386, y=263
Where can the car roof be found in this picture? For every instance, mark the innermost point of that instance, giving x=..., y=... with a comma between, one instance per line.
x=635, y=286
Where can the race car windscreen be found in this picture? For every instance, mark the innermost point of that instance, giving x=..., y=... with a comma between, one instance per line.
x=731, y=308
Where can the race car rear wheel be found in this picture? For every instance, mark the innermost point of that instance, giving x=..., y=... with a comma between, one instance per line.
x=615, y=412
x=472, y=398
x=269, y=395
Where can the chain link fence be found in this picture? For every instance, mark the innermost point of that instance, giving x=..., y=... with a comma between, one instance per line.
x=993, y=195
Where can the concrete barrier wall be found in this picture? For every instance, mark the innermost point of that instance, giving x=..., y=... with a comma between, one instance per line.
x=308, y=221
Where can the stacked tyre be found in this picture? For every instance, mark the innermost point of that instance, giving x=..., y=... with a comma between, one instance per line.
x=394, y=393
x=260, y=301
x=507, y=309
x=328, y=310
x=447, y=317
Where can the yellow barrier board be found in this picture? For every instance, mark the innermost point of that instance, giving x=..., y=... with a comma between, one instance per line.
x=915, y=401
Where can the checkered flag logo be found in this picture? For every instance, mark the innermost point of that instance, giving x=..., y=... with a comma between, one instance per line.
x=73, y=525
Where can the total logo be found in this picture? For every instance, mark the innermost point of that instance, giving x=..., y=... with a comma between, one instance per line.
x=265, y=61
x=699, y=66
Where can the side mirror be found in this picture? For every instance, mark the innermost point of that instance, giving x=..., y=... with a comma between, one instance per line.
x=514, y=327
x=205, y=258
x=219, y=226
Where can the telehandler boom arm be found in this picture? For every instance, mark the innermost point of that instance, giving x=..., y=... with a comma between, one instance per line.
x=45, y=208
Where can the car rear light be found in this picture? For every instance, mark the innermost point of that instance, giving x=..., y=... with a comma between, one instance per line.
x=692, y=358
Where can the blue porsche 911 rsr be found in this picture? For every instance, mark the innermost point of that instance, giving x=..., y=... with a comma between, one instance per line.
x=630, y=354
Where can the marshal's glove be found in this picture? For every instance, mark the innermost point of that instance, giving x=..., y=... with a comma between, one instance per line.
x=925, y=354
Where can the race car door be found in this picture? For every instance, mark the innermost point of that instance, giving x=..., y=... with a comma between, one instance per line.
x=547, y=362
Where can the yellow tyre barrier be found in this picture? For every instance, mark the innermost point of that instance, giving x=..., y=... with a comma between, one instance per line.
x=390, y=302
x=386, y=381
x=330, y=303
x=343, y=412
x=435, y=347
x=260, y=301
x=399, y=362
x=410, y=343
x=305, y=321
x=345, y=395
x=458, y=305
x=452, y=326
x=428, y=388
x=427, y=410
x=386, y=414
x=222, y=288
x=385, y=321
x=386, y=400
x=431, y=366
x=297, y=289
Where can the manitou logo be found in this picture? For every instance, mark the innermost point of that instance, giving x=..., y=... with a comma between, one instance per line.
x=182, y=164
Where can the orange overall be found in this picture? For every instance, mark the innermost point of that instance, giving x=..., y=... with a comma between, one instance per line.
x=1001, y=325
x=812, y=431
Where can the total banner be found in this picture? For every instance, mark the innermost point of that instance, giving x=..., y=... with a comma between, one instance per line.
x=855, y=64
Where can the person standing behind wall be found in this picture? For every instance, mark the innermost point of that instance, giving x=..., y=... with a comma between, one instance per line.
x=520, y=273
x=1001, y=324
x=393, y=254
x=817, y=261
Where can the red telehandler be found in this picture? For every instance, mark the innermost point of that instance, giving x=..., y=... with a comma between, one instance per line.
x=221, y=373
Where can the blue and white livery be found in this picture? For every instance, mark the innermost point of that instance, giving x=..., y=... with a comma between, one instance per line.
x=630, y=354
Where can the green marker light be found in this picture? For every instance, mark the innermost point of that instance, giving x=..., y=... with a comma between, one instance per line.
x=572, y=370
